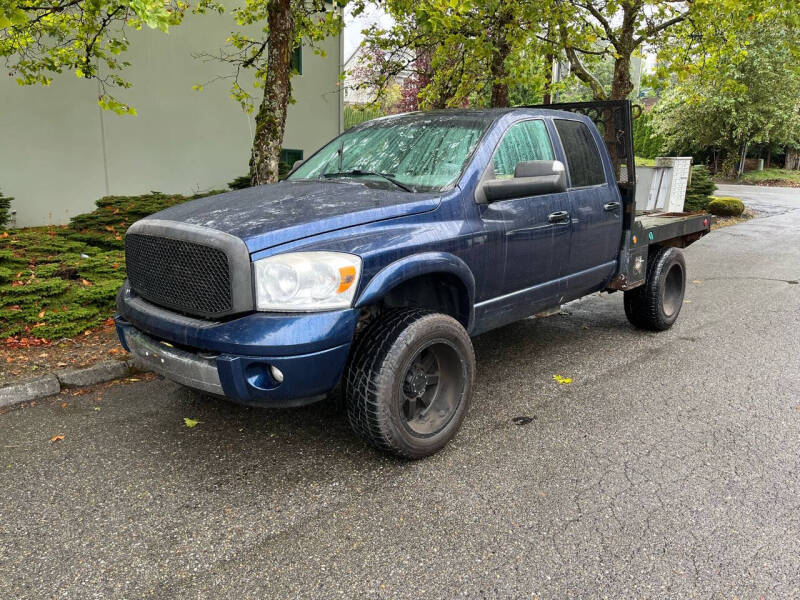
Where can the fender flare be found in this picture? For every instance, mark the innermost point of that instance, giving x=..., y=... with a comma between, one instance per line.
x=425, y=263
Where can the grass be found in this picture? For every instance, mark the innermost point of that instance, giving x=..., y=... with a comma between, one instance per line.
x=57, y=282
x=644, y=162
x=772, y=177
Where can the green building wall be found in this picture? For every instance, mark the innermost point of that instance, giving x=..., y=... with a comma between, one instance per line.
x=59, y=152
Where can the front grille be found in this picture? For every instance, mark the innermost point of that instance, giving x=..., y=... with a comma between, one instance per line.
x=188, y=277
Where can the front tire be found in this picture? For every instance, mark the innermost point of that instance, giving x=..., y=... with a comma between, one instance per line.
x=409, y=382
x=655, y=306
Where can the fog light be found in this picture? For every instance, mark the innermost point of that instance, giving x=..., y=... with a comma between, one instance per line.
x=276, y=373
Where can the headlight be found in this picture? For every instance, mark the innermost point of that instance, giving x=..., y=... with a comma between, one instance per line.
x=306, y=281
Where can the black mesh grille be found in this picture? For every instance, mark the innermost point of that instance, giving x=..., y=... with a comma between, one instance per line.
x=188, y=277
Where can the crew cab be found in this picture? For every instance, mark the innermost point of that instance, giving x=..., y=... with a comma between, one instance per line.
x=374, y=262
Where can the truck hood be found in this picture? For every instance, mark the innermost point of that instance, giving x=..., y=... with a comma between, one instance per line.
x=268, y=215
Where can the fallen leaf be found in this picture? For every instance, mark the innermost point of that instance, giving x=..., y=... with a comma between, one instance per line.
x=562, y=380
x=85, y=283
x=63, y=405
x=697, y=281
x=688, y=301
x=56, y=438
x=41, y=313
x=5, y=234
x=190, y=422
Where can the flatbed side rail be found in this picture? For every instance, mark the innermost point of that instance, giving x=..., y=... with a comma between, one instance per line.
x=671, y=229
x=654, y=229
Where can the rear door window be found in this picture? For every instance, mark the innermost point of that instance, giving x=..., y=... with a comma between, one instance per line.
x=583, y=157
x=524, y=141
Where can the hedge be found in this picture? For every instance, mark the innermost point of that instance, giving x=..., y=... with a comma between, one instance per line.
x=56, y=282
x=726, y=206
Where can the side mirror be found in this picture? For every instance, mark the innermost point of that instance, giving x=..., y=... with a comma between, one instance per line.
x=531, y=178
x=297, y=163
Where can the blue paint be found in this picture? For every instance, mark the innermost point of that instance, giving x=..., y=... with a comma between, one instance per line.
x=255, y=334
x=511, y=261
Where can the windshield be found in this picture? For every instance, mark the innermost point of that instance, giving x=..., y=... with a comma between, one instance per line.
x=420, y=153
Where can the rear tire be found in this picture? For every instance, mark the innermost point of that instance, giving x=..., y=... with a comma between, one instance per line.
x=655, y=306
x=409, y=382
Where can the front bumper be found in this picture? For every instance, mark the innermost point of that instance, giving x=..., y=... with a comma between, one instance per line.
x=234, y=358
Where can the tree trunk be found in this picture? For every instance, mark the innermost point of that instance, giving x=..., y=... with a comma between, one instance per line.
x=271, y=117
x=740, y=170
x=792, y=159
x=548, y=78
x=622, y=85
x=769, y=157
x=500, y=51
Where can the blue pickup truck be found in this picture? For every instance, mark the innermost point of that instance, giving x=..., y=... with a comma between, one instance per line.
x=374, y=262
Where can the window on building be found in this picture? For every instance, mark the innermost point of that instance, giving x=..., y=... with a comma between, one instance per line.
x=522, y=142
x=583, y=157
x=287, y=159
x=296, y=61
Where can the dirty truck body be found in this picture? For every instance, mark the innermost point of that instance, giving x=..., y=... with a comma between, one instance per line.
x=379, y=256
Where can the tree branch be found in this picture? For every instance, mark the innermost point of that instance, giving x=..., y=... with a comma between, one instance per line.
x=654, y=29
x=581, y=72
x=612, y=37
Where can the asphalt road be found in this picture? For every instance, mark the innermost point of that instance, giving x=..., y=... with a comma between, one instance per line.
x=670, y=467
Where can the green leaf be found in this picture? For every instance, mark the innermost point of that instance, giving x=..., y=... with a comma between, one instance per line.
x=190, y=422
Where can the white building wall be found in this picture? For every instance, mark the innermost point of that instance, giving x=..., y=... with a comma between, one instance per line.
x=59, y=152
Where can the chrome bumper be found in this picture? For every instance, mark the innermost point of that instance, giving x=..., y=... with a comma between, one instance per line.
x=187, y=368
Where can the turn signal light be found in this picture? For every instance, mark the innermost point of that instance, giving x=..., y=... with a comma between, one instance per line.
x=347, y=275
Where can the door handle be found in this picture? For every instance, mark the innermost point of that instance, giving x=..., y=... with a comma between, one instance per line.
x=609, y=206
x=560, y=216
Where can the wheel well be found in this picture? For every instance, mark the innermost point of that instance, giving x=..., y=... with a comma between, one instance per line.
x=439, y=292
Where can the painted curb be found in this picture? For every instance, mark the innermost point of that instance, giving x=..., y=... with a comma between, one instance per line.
x=53, y=383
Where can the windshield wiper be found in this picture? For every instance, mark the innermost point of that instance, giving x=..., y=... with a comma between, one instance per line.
x=359, y=173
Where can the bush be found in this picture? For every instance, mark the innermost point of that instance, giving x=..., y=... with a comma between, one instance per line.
x=646, y=142
x=105, y=226
x=52, y=286
x=726, y=206
x=56, y=282
x=698, y=193
x=5, y=210
x=240, y=183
